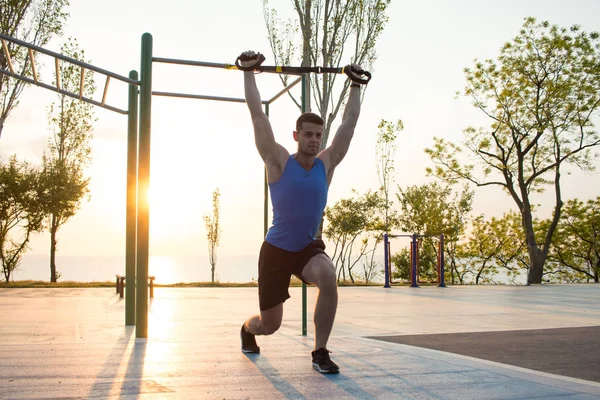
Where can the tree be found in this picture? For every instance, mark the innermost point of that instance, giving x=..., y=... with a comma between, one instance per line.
x=386, y=149
x=492, y=246
x=326, y=27
x=348, y=220
x=401, y=260
x=541, y=97
x=213, y=232
x=20, y=212
x=575, y=251
x=371, y=269
x=33, y=21
x=432, y=210
x=69, y=152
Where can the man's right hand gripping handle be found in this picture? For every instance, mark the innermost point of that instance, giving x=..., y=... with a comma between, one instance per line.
x=249, y=61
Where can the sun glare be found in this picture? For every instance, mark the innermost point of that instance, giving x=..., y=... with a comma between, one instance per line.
x=163, y=268
x=153, y=197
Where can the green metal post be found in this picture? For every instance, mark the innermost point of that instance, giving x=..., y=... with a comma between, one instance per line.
x=143, y=217
x=131, y=210
x=266, y=195
x=304, y=103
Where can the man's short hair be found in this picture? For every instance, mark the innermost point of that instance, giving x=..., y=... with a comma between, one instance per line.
x=308, y=117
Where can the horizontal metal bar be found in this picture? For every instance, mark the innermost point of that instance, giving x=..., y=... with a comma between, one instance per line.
x=285, y=90
x=266, y=68
x=419, y=236
x=71, y=60
x=194, y=63
x=54, y=89
x=202, y=97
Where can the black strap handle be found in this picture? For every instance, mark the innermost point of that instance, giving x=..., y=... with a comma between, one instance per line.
x=258, y=57
x=355, y=74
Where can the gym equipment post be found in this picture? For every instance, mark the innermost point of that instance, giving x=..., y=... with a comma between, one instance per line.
x=414, y=259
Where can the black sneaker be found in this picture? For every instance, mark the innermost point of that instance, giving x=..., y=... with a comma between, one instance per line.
x=248, y=342
x=322, y=363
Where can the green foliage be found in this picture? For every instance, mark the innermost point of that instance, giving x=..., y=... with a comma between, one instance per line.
x=69, y=151
x=63, y=188
x=575, y=252
x=494, y=246
x=351, y=219
x=401, y=260
x=213, y=232
x=331, y=34
x=20, y=213
x=427, y=261
x=541, y=96
x=33, y=21
x=423, y=208
x=432, y=210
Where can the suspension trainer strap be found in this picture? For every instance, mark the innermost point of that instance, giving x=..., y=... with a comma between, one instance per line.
x=289, y=70
x=355, y=75
x=352, y=73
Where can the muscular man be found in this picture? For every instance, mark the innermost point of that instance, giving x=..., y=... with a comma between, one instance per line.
x=298, y=184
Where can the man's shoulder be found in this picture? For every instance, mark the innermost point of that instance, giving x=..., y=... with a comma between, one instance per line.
x=277, y=167
x=325, y=161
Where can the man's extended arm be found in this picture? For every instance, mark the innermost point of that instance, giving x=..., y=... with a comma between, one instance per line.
x=263, y=133
x=341, y=141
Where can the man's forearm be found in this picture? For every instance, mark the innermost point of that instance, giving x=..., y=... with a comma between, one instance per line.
x=252, y=95
x=352, y=109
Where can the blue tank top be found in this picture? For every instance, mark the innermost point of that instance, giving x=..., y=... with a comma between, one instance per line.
x=299, y=198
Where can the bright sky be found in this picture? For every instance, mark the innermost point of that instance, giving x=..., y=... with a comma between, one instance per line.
x=200, y=145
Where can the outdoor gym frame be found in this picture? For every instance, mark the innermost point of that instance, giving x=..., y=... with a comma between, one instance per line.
x=414, y=259
x=138, y=154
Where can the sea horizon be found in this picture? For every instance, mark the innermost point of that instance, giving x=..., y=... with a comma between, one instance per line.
x=166, y=269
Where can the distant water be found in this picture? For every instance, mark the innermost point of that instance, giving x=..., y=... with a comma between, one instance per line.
x=166, y=269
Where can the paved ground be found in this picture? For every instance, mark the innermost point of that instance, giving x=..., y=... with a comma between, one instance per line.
x=72, y=343
x=573, y=352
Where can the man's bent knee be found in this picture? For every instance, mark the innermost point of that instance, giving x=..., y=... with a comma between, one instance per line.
x=270, y=329
x=327, y=282
x=271, y=319
x=320, y=271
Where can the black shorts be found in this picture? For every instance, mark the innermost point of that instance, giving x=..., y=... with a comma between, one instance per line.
x=276, y=267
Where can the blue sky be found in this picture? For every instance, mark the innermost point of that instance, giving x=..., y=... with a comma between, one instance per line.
x=199, y=145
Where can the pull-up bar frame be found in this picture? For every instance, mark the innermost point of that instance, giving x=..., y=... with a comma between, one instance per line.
x=138, y=155
x=146, y=94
